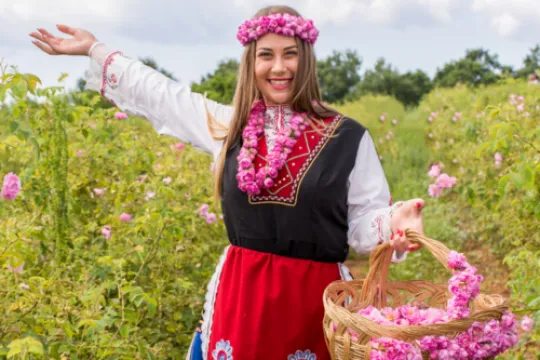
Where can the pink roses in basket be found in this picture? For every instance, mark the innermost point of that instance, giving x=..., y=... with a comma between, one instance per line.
x=480, y=341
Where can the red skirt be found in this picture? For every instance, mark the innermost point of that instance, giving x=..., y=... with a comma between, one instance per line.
x=265, y=306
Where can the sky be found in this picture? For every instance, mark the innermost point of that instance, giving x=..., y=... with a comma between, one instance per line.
x=190, y=37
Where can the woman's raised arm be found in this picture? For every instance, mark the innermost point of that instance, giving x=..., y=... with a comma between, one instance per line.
x=171, y=107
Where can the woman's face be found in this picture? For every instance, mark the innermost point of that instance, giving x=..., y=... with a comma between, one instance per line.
x=276, y=60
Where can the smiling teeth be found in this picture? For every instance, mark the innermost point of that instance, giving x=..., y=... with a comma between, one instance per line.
x=279, y=82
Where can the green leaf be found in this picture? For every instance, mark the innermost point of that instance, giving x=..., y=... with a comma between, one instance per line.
x=13, y=126
x=19, y=90
x=62, y=77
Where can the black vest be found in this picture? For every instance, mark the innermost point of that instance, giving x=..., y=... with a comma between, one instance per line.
x=314, y=224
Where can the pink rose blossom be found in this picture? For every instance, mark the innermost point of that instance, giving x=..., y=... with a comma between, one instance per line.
x=24, y=286
x=11, y=186
x=434, y=171
x=99, y=192
x=150, y=195
x=394, y=122
x=16, y=269
x=167, y=180
x=434, y=191
x=106, y=231
x=203, y=210
x=445, y=181
x=120, y=115
x=178, y=146
x=210, y=218
x=125, y=217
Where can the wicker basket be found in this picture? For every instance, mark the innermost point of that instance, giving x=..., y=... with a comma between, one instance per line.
x=343, y=299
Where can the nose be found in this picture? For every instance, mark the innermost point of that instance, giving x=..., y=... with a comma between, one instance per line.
x=278, y=66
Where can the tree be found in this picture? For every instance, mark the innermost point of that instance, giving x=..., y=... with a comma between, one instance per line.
x=478, y=67
x=531, y=63
x=338, y=74
x=383, y=79
x=221, y=85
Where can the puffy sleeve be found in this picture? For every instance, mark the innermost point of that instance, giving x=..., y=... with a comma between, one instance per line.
x=171, y=107
x=370, y=208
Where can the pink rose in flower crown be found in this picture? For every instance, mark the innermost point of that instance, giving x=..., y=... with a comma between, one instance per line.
x=11, y=186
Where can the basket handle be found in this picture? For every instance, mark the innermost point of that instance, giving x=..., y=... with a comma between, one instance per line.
x=374, y=289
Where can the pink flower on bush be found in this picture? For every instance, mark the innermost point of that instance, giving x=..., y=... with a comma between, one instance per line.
x=167, y=180
x=394, y=122
x=210, y=218
x=434, y=191
x=382, y=118
x=99, y=192
x=142, y=178
x=24, y=286
x=15, y=269
x=125, y=217
x=445, y=181
x=434, y=171
x=203, y=210
x=527, y=323
x=80, y=152
x=150, y=195
x=120, y=115
x=178, y=146
x=11, y=186
x=106, y=231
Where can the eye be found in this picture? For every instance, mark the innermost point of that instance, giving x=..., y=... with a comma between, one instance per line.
x=265, y=54
x=293, y=53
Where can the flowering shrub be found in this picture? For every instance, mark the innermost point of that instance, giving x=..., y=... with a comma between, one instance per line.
x=137, y=254
x=489, y=139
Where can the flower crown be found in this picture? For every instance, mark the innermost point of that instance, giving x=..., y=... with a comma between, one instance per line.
x=281, y=24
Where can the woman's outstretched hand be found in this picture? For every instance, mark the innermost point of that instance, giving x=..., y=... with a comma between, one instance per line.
x=406, y=216
x=79, y=44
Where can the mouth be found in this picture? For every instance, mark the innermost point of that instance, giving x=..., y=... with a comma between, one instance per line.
x=280, y=84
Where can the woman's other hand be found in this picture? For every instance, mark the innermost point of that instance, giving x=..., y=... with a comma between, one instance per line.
x=78, y=44
x=406, y=216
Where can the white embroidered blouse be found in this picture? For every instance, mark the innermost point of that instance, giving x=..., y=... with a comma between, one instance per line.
x=173, y=109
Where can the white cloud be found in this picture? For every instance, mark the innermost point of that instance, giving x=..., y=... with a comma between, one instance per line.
x=505, y=24
x=511, y=18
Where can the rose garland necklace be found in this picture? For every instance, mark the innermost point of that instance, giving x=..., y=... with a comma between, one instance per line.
x=248, y=179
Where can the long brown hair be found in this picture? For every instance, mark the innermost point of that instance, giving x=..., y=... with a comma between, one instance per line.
x=307, y=94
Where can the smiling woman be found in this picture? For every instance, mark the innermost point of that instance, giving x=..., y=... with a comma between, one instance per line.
x=298, y=182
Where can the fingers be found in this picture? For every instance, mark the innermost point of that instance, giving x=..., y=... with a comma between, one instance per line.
x=418, y=204
x=66, y=29
x=399, y=242
x=44, y=47
x=46, y=33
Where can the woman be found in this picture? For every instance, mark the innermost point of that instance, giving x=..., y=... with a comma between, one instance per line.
x=299, y=183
